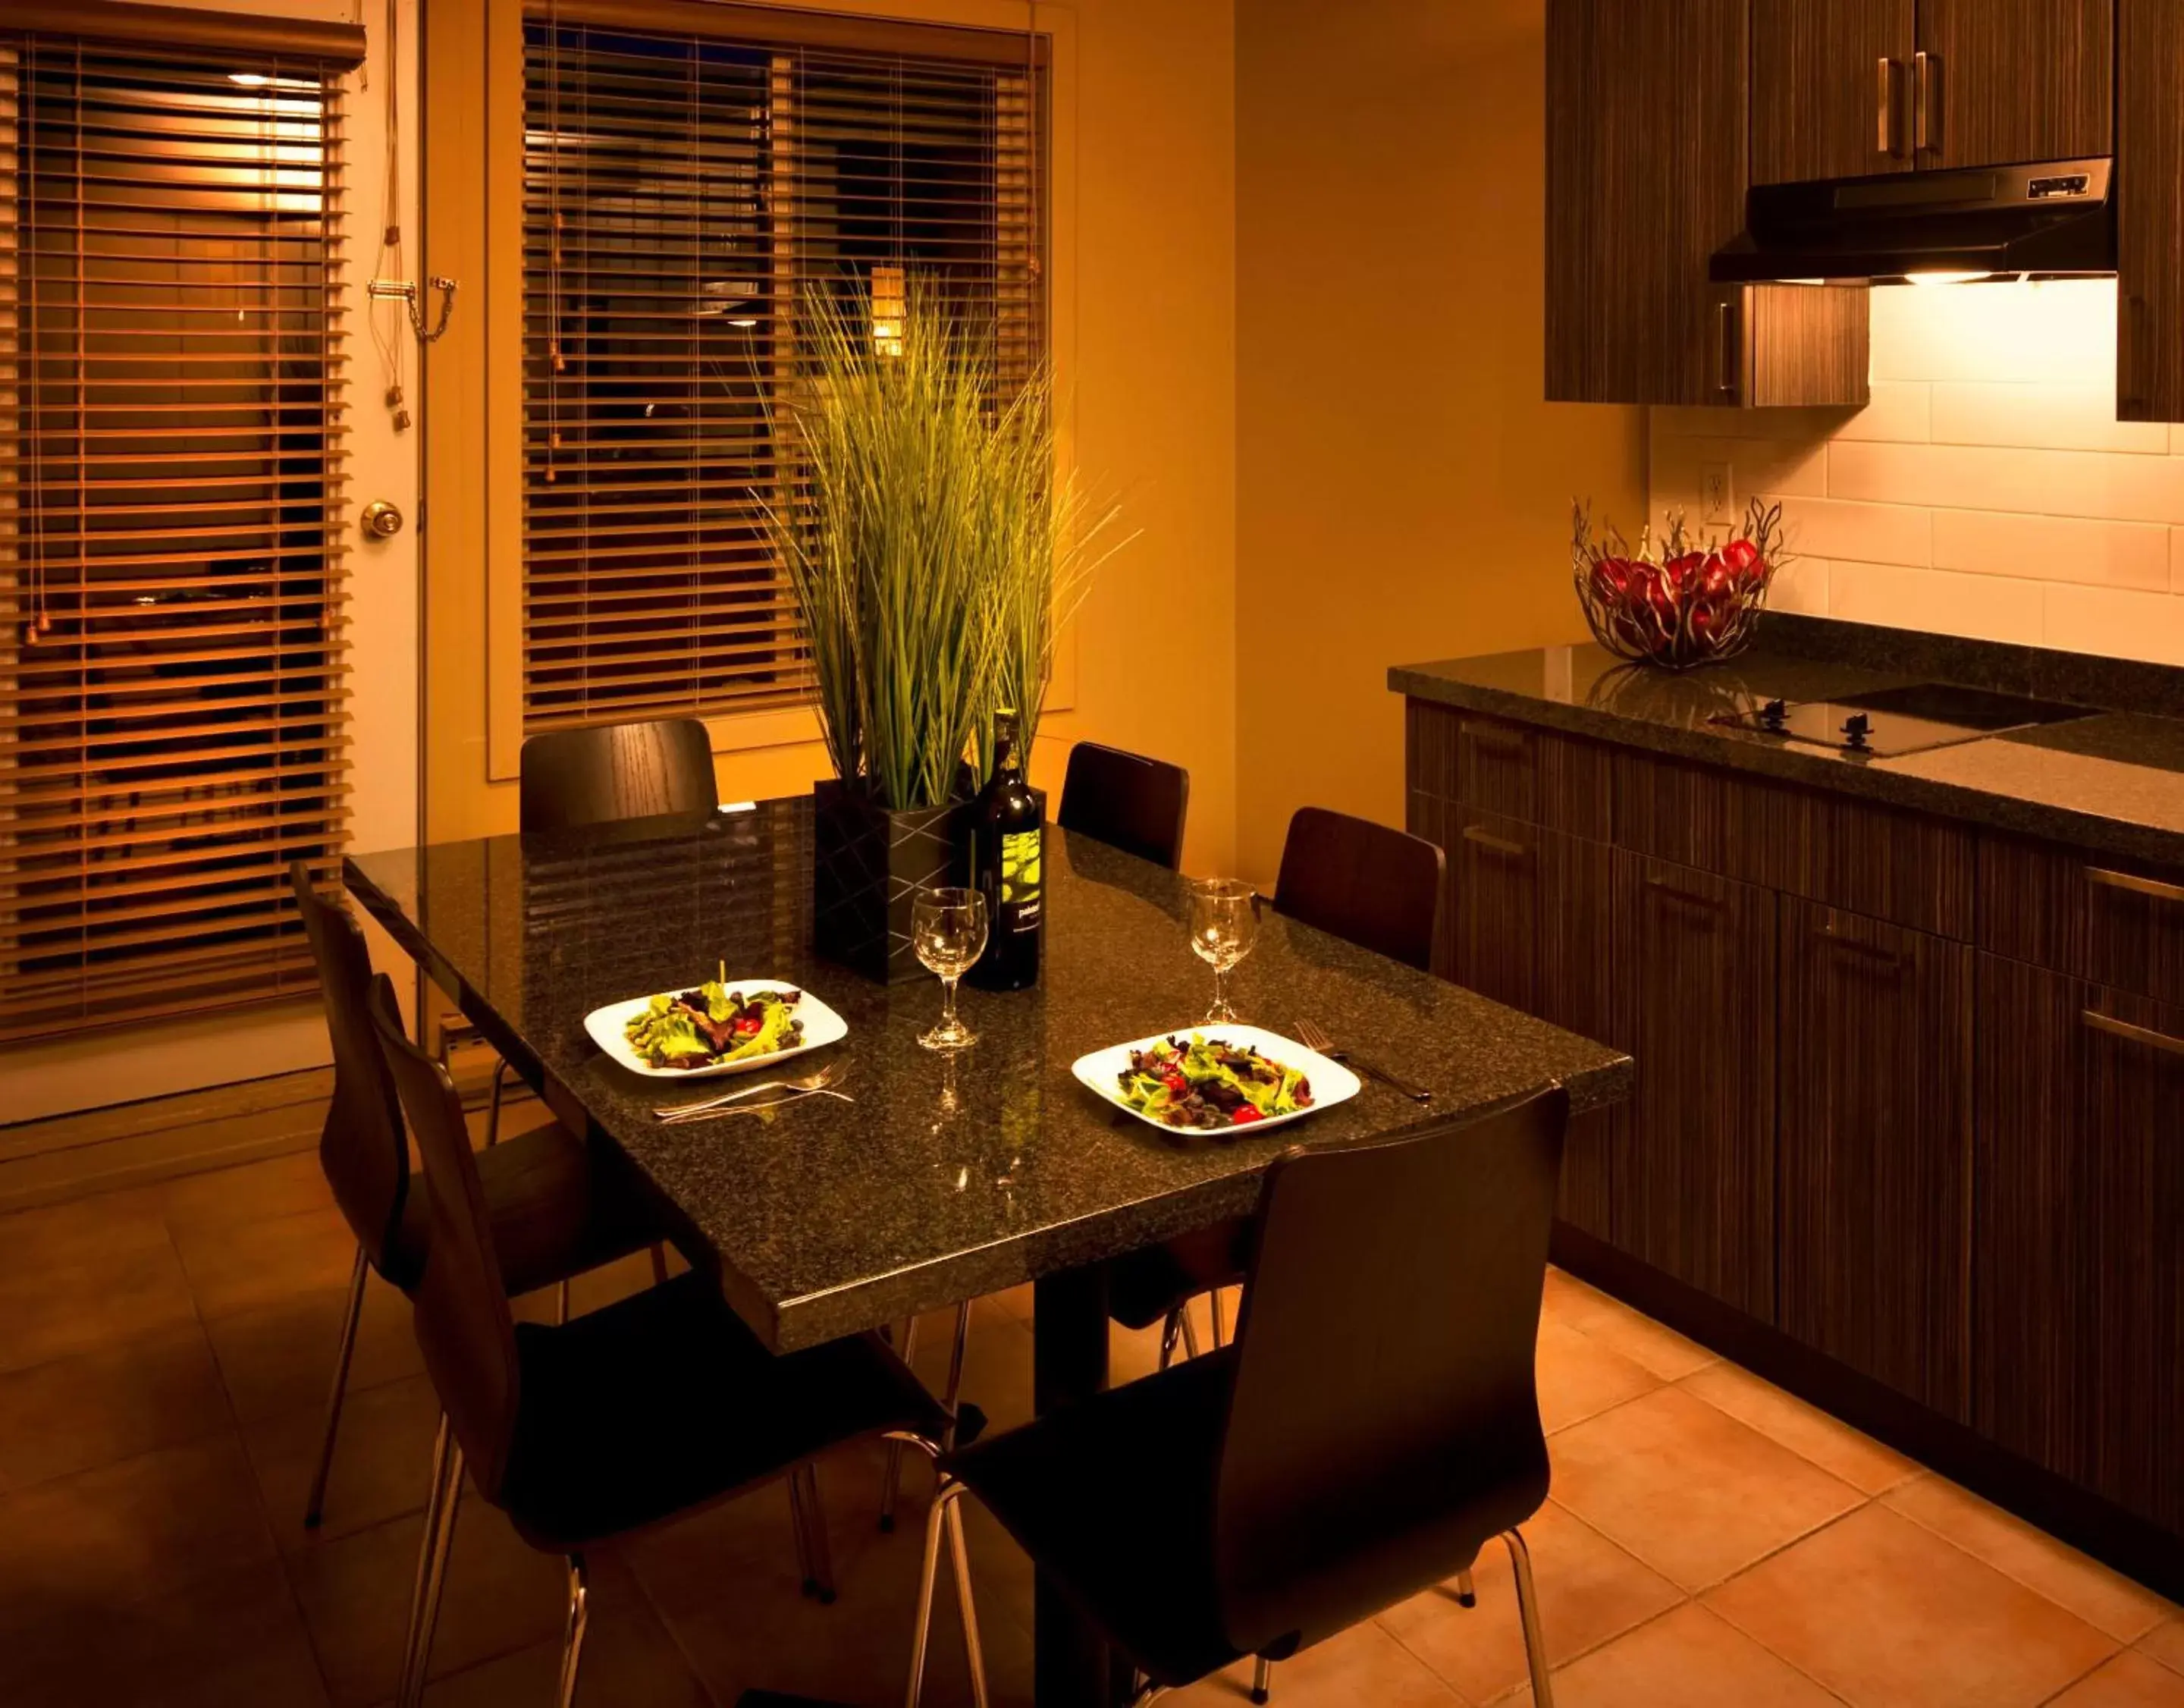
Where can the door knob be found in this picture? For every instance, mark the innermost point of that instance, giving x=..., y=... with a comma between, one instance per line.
x=380, y=520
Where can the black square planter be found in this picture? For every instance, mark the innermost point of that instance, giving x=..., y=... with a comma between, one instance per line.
x=868, y=864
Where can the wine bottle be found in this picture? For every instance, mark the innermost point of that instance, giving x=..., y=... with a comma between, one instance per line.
x=1008, y=851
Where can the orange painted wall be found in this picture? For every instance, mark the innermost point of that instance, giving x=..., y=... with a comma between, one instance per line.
x=1402, y=492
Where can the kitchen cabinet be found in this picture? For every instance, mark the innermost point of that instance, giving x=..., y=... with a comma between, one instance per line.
x=2149, y=211
x=1874, y=1147
x=1574, y=989
x=1830, y=90
x=2011, y=80
x=2078, y=1302
x=1494, y=875
x=1645, y=179
x=1695, y=971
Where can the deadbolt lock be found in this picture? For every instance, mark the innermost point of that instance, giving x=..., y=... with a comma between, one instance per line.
x=381, y=520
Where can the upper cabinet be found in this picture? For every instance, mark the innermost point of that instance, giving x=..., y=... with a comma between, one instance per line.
x=1848, y=88
x=1646, y=135
x=2150, y=210
x=1831, y=89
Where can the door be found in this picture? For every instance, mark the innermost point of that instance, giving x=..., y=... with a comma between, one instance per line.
x=1575, y=990
x=1495, y=869
x=2149, y=212
x=2078, y=1302
x=1830, y=88
x=1875, y=1152
x=1696, y=961
x=2006, y=80
x=1645, y=175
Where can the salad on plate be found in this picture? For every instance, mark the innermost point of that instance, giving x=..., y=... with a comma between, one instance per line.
x=713, y=1025
x=1210, y=1085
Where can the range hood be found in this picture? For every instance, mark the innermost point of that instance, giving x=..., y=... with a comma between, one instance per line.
x=2053, y=217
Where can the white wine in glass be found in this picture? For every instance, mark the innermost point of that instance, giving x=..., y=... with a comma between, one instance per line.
x=948, y=930
x=1225, y=919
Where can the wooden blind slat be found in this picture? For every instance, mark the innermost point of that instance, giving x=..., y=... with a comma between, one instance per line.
x=172, y=656
x=687, y=172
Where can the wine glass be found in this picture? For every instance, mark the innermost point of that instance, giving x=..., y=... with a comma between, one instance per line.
x=1224, y=919
x=948, y=930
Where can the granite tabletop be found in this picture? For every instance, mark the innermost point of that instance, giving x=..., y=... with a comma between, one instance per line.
x=948, y=1177
x=2112, y=780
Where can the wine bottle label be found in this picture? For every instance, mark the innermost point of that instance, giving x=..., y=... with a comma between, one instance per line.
x=1021, y=879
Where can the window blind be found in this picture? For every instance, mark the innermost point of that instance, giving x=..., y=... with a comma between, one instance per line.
x=170, y=648
x=681, y=189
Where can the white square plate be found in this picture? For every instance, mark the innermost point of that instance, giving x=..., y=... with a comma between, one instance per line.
x=1331, y=1082
x=822, y=1026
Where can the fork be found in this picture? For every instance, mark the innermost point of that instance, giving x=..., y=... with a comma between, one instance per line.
x=763, y=1110
x=1313, y=1036
x=818, y=1081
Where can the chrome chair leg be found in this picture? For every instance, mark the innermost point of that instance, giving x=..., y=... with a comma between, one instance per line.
x=967, y=1607
x=1528, y=1610
x=431, y=1564
x=1467, y=1591
x=492, y=1104
x=658, y=1263
x=811, y=1520
x=908, y=1344
x=572, y=1639
x=316, y=1501
x=561, y=1303
x=945, y=1513
x=1189, y=1333
x=1220, y=1318
x=1171, y=1332
x=1263, y=1678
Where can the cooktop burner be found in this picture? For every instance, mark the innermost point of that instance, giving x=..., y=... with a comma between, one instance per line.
x=1892, y=720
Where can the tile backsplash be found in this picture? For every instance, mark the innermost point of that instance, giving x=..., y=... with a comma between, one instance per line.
x=1987, y=490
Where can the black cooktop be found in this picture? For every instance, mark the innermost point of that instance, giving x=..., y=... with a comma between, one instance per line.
x=1910, y=719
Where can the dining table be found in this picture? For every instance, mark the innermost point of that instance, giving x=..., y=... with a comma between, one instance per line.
x=951, y=1175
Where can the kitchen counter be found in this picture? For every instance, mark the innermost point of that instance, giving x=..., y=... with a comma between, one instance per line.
x=2113, y=781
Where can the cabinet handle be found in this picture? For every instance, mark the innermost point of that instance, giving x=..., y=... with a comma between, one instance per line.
x=1886, y=958
x=1489, y=735
x=2134, y=1035
x=1883, y=119
x=1662, y=886
x=1498, y=845
x=2134, y=884
x=2131, y=348
x=1924, y=105
x=1724, y=350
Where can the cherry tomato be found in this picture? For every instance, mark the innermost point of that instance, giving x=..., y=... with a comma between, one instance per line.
x=747, y=1029
x=1176, y=1083
x=1245, y=1116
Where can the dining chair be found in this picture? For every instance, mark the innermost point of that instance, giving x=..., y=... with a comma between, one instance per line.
x=570, y=778
x=1378, y=888
x=591, y=1431
x=1374, y=1424
x=1134, y=803
x=1138, y=805
x=555, y=1207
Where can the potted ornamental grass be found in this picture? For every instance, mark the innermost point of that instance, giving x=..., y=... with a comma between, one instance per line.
x=935, y=555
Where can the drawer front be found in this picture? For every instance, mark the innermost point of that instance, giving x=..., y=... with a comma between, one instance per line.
x=1904, y=868
x=2115, y=924
x=1511, y=770
x=1497, y=768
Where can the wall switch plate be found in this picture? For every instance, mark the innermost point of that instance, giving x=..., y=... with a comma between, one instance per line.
x=1717, y=492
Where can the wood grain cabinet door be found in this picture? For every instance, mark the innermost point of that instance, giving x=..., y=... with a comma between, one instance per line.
x=1495, y=866
x=1830, y=88
x=2149, y=212
x=1695, y=965
x=2078, y=1299
x=1874, y=1148
x=2009, y=81
x=1576, y=991
x=1645, y=177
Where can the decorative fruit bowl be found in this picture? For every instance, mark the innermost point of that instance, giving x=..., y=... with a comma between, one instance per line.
x=1671, y=603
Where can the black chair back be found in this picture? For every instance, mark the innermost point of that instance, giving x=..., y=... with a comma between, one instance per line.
x=362, y=1149
x=572, y=777
x=1379, y=888
x=1128, y=800
x=1384, y=1420
x=464, y=1327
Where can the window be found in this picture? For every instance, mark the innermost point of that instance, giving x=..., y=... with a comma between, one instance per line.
x=681, y=189
x=171, y=650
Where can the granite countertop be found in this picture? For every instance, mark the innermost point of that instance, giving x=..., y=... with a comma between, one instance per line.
x=945, y=1179
x=2112, y=781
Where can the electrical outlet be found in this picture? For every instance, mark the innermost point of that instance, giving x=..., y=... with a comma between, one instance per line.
x=1717, y=492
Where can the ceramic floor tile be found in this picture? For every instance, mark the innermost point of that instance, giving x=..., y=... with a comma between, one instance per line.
x=382, y=1461
x=1688, y=1658
x=2165, y=1644
x=1364, y=1666
x=280, y=1357
x=1856, y=1459
x=354, y=1592
x=1590, y=1591
x=1888, y=1615
x=128, y=1532
x=90, y=1302
x=279, y=1186
x=34, y=1242
x=238, y=1266
x=1642, y=1340
x=1688, y=1490
x=230, y=1639
x=1581, y=1377
x=2100, y=1597
x=2129, y=1681
x=75, y=1414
